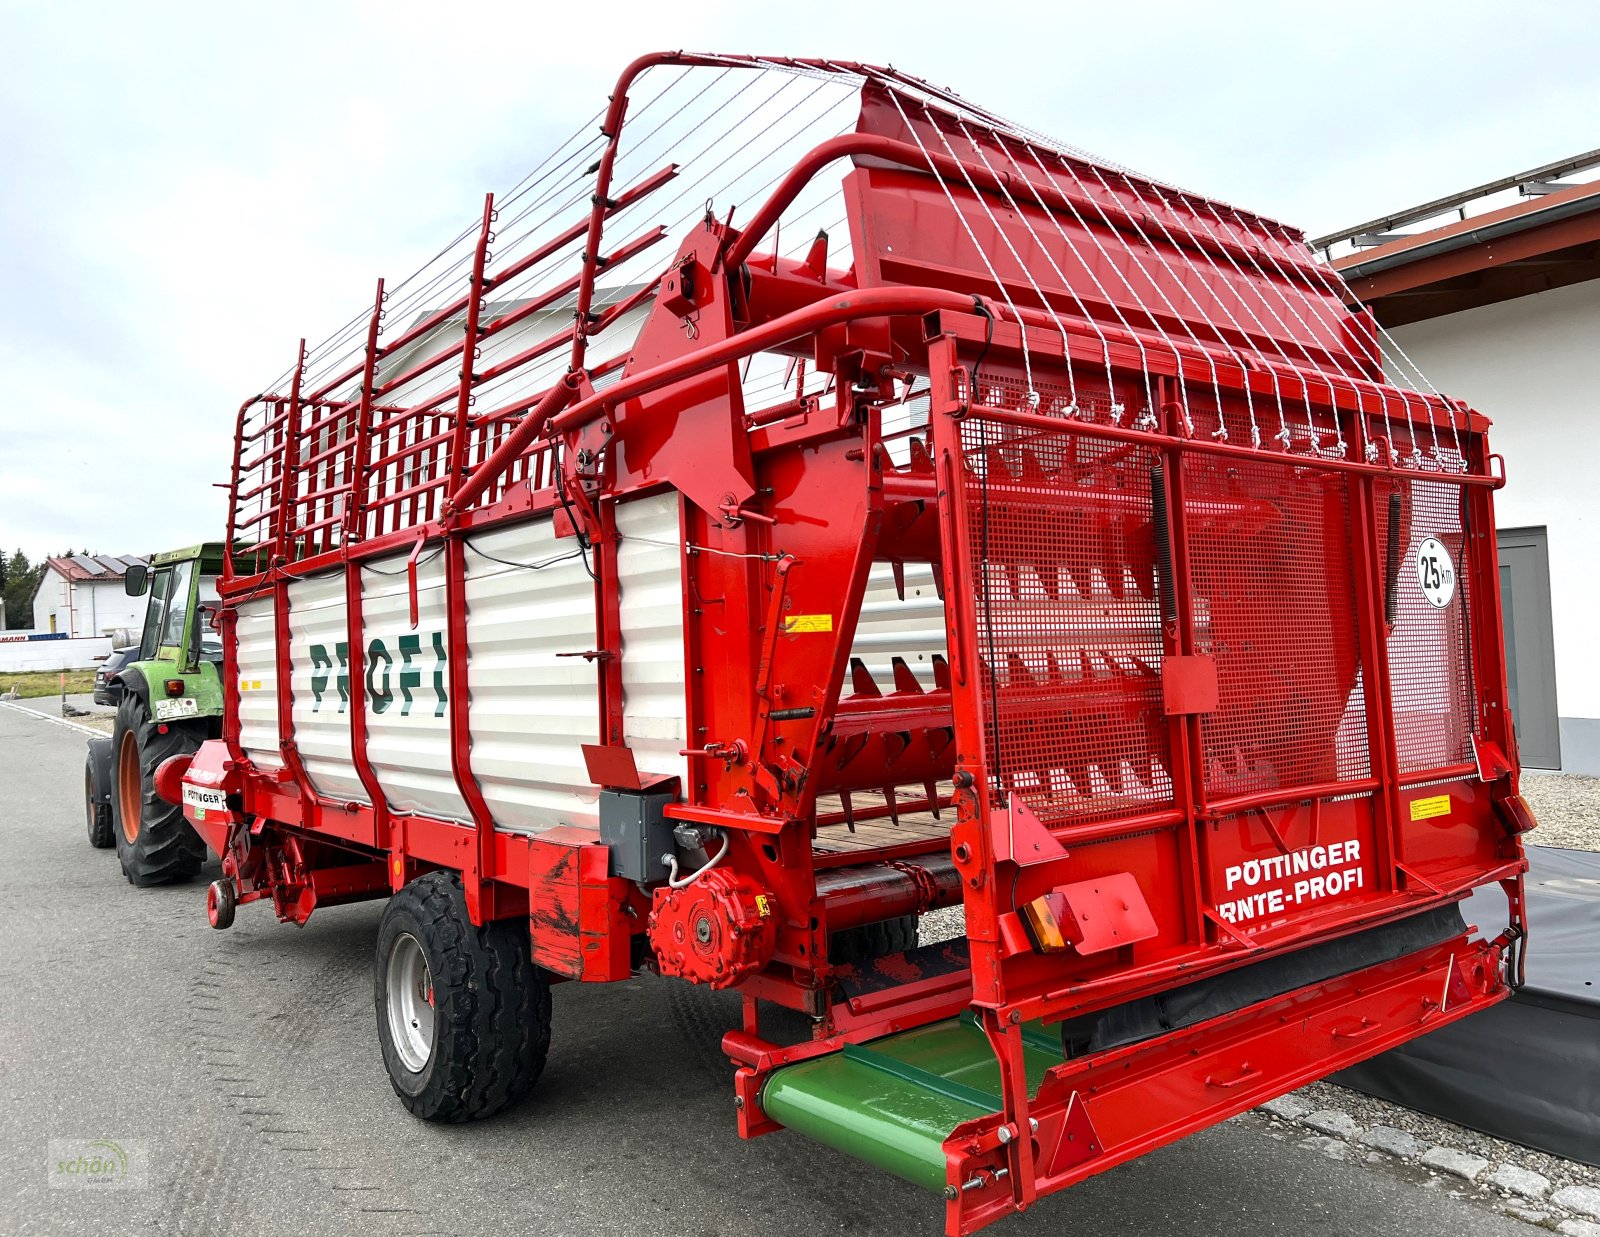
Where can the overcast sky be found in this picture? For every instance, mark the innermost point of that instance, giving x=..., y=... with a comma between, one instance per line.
x=185, y=189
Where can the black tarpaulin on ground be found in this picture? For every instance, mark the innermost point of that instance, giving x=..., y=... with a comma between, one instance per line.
x=1528, y=1069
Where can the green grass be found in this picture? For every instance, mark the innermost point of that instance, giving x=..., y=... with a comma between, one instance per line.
x=31, y=684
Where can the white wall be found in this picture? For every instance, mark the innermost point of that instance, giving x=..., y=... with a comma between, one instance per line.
x=1530, y=365
x=49, y=602
x=52, y=654
x=85, y=608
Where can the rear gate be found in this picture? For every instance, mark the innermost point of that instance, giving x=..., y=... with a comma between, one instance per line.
x=1207, y=716
x=1205, y=681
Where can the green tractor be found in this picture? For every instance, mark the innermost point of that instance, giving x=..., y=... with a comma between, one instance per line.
x=171, y=703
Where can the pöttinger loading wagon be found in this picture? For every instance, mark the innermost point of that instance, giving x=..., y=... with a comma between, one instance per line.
x=808, y=501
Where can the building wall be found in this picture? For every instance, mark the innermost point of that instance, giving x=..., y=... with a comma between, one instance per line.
x=85, y=608
x=49, y=602
x=1530, y=366
x=21, y=654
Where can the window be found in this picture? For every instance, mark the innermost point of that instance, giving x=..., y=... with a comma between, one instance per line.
x=155, y=610
x=172, y=629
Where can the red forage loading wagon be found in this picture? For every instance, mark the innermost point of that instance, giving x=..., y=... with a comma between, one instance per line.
x=808, y=501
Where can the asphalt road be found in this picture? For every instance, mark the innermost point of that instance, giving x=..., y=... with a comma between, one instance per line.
x=240, y=1069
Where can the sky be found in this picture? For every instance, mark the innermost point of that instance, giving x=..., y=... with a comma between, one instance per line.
x=187, y=189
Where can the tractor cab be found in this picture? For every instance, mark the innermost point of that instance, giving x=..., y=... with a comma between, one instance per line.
x=182, y=590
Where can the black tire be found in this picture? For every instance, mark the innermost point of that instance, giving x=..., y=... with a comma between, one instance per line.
x=102, y=832
x=156, y=844
x=490, y=1005
x=221, y=903
x=873, y=940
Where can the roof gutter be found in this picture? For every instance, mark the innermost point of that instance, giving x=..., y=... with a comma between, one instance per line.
x=1554, y=213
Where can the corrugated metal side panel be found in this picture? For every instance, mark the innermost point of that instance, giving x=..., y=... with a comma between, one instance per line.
x=889, y=627
x=258, y=684
x=408, y=723
x=654, y=676
x=319, y=653
x=532, y=708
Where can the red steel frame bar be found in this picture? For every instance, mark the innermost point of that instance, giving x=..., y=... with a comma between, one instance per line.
x=355, y=623
x=311, y=804
x=482, y=870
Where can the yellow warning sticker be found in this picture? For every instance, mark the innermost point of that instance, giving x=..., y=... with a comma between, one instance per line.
x=1427, y=809
x=764, y=905
x=793, y=623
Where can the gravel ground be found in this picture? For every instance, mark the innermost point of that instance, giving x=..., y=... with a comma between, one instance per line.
x=1568, y=808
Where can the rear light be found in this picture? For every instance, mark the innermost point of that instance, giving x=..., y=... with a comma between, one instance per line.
x=1042, y=921
x=1516, y=815
x=174, y=687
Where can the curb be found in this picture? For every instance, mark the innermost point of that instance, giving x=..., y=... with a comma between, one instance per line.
x=59, y=721
x=1570, y=1210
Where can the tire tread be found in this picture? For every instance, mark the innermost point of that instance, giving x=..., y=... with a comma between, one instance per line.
x=492, y=1028
x=167, y=849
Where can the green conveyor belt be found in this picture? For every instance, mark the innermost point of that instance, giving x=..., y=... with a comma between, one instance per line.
x=894, y=1101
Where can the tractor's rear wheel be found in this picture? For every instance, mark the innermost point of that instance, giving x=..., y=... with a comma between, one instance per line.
x=101, y=829
x=155, y=843
x=463, y=1014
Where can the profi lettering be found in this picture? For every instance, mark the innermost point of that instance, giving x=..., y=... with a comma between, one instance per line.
x=379, y=670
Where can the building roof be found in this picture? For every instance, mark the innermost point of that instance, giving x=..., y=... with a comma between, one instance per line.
x=93, y=568
x=1546, y=236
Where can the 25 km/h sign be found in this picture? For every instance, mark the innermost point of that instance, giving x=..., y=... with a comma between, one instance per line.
x=1436, y=572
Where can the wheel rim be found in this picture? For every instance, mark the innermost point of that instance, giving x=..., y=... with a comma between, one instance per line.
x=409, y=985
x=129, y=787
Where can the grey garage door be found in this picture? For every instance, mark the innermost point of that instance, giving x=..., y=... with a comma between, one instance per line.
x=1530, y=649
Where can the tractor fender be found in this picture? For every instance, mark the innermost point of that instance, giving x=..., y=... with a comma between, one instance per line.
x=100, y=770
x=133, y=680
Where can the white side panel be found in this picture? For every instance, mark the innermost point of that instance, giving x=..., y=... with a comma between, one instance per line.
x=408, y=723
x=650, y=576
x=890, y=628
x=532, y=708
x=319, y=653
x=258, y=684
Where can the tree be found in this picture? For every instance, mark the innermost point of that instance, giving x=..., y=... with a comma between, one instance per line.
x=21, y=578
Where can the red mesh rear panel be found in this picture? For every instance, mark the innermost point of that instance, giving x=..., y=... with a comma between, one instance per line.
x=1068, y=625
x=1274, y=604
x=1430, y=666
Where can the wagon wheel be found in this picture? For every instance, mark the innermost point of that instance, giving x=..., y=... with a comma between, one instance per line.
x=463, y=1013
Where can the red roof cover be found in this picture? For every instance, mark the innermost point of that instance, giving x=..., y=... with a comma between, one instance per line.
x=81, y=567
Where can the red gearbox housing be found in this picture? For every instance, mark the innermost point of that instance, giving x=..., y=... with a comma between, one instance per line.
x=717, y=931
